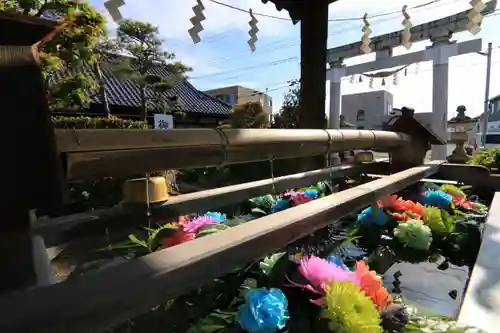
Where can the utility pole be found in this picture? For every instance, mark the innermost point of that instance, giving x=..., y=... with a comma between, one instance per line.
x=487, y=95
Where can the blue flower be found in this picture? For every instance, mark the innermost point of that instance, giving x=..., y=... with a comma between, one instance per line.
x=265, y=311
x=218, y=217
x=312, y=193
x=281, y=204
x=436, y=198
x=367, y=216
x=337, y=261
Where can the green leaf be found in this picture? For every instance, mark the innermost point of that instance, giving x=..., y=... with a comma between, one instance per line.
x=258, y=211
x=234, y=222
x=211, y=229
x=137, y=241
x=447, y=221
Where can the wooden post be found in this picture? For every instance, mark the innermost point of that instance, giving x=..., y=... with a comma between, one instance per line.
x=313, y=35
x=31, y=171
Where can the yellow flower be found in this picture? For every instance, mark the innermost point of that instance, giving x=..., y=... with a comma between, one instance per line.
x=349, y=310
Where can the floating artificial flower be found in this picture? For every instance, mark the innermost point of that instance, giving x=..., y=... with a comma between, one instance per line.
x=320, y=272
x=392, y=202
x=180, y=236
x=280, y=205
x=267, y=264
x=337, y=261
x=196, y=224
x=371, y=284
x=349, y=310
x=312, y=193
x=379, y=218
x=264, y=201
x=402, y=217
x=454, y=191
x=265, y=311
x=431, y=187
x=414, y=234
x=436, y=219
x=218, y=217
x=298, y=198
x=436, y=198
x=415, y=208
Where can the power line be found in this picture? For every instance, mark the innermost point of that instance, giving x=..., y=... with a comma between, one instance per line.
x=351, y=28
x=330, y=20
x=278, y=61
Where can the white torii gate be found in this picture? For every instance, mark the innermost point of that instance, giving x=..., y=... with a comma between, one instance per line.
x=440, y=32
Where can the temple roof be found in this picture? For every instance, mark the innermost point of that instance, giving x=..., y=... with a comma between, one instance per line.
x=19, y=29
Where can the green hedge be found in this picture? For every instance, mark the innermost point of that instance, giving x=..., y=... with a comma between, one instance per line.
x=96, y=122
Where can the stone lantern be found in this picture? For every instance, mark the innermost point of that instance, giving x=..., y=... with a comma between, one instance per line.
x=462, y=124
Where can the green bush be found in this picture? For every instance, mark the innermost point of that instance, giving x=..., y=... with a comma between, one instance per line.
x=82, y=122
x=489, y=158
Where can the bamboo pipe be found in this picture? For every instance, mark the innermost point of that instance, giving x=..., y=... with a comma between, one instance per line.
x=100, y=153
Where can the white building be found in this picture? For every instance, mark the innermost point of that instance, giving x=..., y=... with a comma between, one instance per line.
x=371, y=110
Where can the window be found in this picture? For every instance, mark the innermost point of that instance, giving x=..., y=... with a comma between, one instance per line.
x=269, y=102
x=361, y=127
x=223, y=98
x=360, y=115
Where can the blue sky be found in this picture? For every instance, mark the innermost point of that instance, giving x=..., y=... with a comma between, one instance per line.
x=223, y=57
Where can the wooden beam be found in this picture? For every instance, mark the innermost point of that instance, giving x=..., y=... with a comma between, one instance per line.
x=442, y=27
x=103, y=299
x=73, y=227
x=410, y=58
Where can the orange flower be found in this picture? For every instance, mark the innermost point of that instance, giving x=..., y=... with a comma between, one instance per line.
x=463, y=203
x=180, y=236
x=415, y=208
x=400, y=217
x=372, y=286
x=392, y=202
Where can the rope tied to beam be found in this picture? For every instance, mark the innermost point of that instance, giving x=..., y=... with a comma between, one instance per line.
x=225, y=146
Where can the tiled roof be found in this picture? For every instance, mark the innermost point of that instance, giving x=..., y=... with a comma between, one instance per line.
x=126, y=93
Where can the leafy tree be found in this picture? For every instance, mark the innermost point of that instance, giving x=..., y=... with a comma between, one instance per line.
x=249, y=115
x=68, y=49
x=141, y=41
x=288, y=116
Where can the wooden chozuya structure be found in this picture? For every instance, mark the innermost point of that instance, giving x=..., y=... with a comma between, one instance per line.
x=39, y=160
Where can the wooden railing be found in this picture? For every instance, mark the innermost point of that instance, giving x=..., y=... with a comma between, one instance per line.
x=98, y=301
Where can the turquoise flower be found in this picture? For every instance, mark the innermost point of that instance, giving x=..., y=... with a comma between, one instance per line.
x=436, y=198
x=312, y=193
x=280, y=205
x=367, y=216
x=265, y=311
x=337, y=261
x=218, y=217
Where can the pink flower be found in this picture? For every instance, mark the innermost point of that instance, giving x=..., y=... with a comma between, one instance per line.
x=320, y=272
x=197, y=224
x=298, y=198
